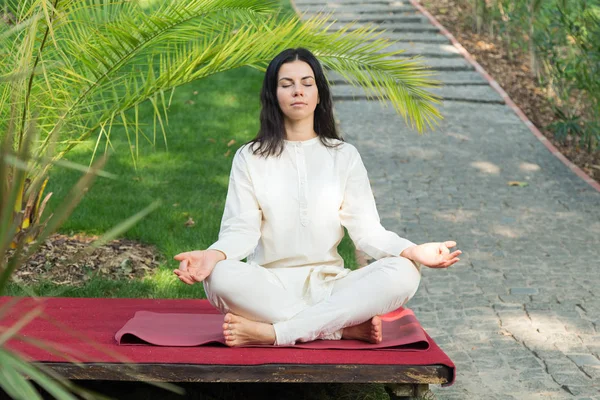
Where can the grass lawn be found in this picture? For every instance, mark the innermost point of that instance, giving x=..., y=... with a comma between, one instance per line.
x=208, y=121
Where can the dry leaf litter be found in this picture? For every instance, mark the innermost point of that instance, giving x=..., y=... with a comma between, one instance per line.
x=118, y=259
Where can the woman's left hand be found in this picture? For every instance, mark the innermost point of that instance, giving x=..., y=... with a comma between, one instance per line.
x=433, y=255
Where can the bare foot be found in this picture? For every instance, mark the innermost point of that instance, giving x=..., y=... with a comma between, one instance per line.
x=239, y=331
x=369, y=331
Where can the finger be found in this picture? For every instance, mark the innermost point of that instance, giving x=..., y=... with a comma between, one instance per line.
x=181, y=273
x=198, y=277
x=443, y=249
x=454, y=254
x=450, y=243
x=181, y=256
x=446, y=263
x=438, y=266
x=183, y=265
x=452, y=262
x=186, y=280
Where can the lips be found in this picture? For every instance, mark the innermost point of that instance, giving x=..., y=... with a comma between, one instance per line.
x=298, y=104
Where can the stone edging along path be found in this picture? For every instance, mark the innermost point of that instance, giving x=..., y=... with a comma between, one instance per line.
x=511, y=104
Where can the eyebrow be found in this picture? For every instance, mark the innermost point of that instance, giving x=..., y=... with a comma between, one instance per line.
x=303, y=78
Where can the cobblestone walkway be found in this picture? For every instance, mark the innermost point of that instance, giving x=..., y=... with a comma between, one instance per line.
x=520, y=314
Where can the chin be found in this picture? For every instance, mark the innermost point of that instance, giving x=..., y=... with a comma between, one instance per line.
x=298, y=116
x=305, y=111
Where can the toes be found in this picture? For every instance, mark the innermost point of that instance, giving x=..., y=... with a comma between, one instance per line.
x=376, y=322
x=233, y=319
x=376, y=330
x=377, y=338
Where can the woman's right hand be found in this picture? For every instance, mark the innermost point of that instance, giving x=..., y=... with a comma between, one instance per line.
x=197, y=265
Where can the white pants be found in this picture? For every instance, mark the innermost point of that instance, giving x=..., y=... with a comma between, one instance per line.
x=278, y=296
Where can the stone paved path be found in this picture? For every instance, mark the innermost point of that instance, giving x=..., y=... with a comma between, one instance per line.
x=520, y=314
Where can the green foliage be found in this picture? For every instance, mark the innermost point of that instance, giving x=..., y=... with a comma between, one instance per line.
x=13, y=168
x=18, y=241
x=566, y=125
x=563, y=40
x=87, y=63
x=17, y=375
x=571, y=42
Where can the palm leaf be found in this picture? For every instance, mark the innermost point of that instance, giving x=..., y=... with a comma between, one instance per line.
x=111, y=58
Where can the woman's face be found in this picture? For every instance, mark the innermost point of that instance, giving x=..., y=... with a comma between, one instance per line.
x=297, y=91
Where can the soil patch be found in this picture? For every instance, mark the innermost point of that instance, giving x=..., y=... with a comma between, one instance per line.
x=59, y=261
x=514, y=77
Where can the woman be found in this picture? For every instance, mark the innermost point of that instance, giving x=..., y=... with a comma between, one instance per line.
x=291, y=192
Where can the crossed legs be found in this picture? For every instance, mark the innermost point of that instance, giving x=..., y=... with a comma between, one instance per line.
x=261, y=308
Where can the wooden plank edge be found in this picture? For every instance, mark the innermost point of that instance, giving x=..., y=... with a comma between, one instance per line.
x=437, y=374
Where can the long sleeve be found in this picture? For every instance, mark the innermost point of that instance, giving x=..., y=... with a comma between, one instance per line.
x=241, y=222
x=358, y=214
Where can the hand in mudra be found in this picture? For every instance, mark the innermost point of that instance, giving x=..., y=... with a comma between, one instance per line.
x=197, y=265
x=433, y=255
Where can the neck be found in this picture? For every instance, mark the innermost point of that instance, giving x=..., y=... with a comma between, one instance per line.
x=299, y=130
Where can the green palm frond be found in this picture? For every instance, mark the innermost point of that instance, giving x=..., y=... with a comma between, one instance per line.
x=17, y=375
x=106, y=58
x=14, y=382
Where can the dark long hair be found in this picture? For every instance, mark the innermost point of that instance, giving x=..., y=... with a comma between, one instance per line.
x=270, y=138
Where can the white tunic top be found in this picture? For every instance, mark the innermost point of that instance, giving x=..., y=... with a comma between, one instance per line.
x=289, y=211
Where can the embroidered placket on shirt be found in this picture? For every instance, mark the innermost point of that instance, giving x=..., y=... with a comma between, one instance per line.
x=302, y=184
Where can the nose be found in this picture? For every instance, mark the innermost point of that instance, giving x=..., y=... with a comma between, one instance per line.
x=298, y=90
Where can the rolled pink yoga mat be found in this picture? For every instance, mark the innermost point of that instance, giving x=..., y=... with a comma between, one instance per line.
x=401, y=331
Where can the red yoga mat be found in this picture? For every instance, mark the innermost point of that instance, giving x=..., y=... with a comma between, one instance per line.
x=176, y=330
x=84, y=329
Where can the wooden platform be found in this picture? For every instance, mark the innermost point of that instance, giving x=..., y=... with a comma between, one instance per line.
x=402, y=382
x=406, y=374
